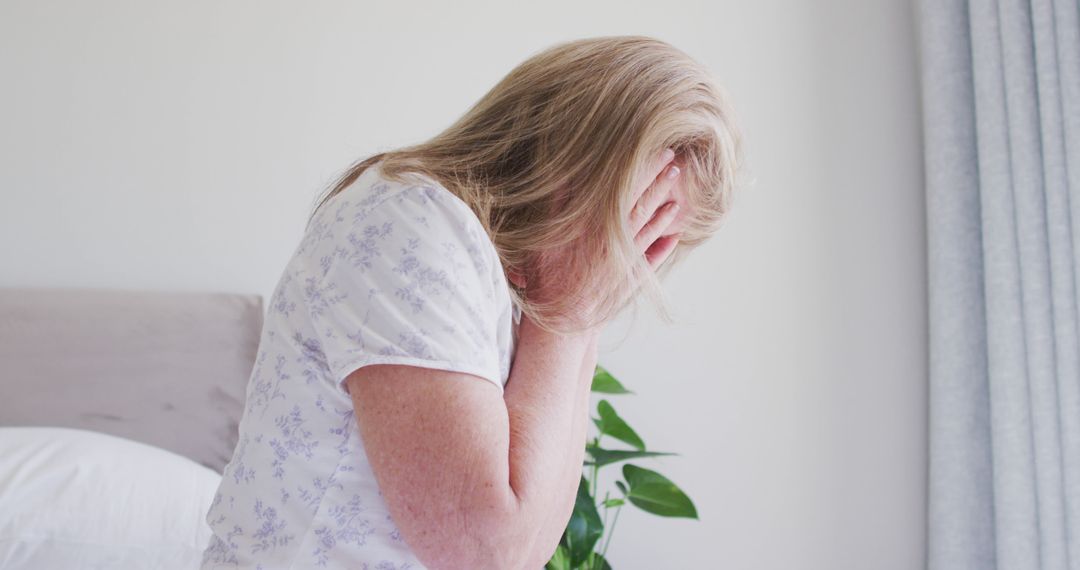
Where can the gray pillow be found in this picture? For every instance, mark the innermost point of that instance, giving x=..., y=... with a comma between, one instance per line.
x=165, y=368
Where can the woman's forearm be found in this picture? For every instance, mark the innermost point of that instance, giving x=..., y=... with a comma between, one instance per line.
x=551, y=532
x=546, y=399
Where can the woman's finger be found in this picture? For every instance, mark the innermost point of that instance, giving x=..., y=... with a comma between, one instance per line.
x=656, y=165
x=665, y=215
x=660, y=250
x=646, y=197
x=655, y=196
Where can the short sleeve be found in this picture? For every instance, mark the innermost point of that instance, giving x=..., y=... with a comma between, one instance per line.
x=401, y=276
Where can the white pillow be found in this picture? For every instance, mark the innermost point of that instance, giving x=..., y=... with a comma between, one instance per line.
x=80, y=499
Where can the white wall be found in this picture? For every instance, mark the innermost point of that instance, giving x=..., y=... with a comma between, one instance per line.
x=180, y=145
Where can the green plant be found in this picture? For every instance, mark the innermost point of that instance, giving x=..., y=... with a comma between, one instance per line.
x=645, y=489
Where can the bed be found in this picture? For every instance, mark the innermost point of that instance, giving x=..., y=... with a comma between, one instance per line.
x=118, y=411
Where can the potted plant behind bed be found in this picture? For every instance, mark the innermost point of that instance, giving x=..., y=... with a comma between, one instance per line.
x=582, y=547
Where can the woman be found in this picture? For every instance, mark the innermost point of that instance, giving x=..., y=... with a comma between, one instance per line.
x=420, y=395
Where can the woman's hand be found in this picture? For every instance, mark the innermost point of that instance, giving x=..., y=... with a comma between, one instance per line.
x=653, y=213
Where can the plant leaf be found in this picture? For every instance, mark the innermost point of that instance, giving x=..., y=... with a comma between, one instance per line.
x=584, y=528
x=611, y=424
x=602, y=457
x=604, y=383
x=654, y=493
x=598, y=562
x=614, y=503
x=622, y=487
x=560, y=560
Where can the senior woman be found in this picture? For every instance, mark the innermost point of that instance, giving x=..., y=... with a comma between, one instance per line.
x=420, y=394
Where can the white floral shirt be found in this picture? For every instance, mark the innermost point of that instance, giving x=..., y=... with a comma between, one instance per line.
x=386, y=272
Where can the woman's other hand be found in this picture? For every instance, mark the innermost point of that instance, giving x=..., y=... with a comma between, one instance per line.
x=653, y=218
x=653, y=221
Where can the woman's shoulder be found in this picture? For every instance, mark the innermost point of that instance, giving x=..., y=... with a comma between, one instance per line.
x=424, y=201
x=418, y=199
x=399, y=224
x=402, y=270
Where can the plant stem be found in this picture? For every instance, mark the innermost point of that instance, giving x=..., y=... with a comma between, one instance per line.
x=607, y=495
x=592, y=495
x=596, y=468
x=595, y=481
x=611, y=530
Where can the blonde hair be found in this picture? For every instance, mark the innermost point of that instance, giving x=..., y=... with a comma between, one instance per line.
x=549, y=156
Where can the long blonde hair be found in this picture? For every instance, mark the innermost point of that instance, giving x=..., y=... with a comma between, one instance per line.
x=549, y=155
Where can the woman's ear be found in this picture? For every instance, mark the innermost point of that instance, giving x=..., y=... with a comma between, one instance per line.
x=516, y=278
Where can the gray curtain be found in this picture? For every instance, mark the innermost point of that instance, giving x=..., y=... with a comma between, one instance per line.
x=1001, y=104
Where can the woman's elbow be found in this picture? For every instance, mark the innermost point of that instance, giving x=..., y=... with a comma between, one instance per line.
x=492, y=534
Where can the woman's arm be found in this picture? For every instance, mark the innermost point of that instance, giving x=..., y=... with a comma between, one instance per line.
x=479, y=479
x=475, y=479
x=551, y=532
x=548, y=418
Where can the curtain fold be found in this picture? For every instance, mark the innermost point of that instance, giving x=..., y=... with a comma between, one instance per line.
x=1001, y=106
